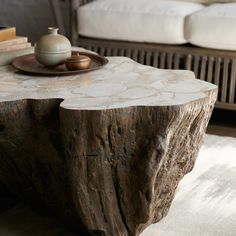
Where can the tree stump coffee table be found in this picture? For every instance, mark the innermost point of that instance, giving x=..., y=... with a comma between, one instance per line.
x=103, y=150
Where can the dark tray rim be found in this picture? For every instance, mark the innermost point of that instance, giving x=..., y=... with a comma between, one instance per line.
x=17, y=63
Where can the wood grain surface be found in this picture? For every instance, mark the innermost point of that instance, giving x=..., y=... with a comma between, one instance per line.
x=104, y=165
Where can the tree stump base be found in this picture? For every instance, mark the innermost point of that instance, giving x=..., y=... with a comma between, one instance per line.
x=105, y=150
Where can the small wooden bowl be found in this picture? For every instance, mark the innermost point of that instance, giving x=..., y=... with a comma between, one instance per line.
x=78, y=62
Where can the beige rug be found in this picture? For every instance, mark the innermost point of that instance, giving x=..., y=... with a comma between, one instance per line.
x=205, y=201
x=204, y=205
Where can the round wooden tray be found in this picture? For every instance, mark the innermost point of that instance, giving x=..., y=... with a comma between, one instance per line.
x=28, y=63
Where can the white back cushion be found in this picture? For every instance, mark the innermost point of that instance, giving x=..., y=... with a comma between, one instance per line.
x=213, y=27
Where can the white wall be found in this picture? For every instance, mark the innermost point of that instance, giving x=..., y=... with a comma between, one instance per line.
x=31, y=17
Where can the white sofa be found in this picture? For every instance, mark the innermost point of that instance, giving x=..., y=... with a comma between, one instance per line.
x=160, y=21
x=167, y=34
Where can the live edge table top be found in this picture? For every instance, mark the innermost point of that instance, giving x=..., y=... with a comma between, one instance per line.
x=121, y=83
x=105, y=150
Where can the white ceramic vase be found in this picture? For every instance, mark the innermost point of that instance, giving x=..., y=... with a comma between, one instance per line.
x=52, y=49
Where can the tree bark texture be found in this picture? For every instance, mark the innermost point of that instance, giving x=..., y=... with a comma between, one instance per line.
x=108, y=172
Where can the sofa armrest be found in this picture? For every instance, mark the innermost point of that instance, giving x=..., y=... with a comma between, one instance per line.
x=74, y=5
x=58, y=16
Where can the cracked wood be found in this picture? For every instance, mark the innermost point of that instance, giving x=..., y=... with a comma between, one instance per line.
x=107, y=165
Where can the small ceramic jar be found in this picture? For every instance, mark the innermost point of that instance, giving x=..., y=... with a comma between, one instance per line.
x=52, y=49
x=78, y=62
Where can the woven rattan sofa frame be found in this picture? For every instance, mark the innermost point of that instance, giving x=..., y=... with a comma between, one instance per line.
x=216, y=66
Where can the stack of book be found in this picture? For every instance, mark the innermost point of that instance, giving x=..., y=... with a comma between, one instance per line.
x=12, y=45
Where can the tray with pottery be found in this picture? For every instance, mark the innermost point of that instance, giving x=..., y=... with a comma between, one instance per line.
x=29, y=64
x=53, y=56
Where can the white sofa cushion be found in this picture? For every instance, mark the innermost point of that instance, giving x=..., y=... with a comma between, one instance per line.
x=213, y=27
x=153, y=21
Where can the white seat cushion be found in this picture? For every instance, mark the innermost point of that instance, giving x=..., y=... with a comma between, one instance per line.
x=213, y=27
x=153, y=21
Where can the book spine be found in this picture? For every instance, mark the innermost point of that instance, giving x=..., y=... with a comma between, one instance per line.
x=15, y=47
x=16, y=40
x=7, y=57
x=7, y=33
